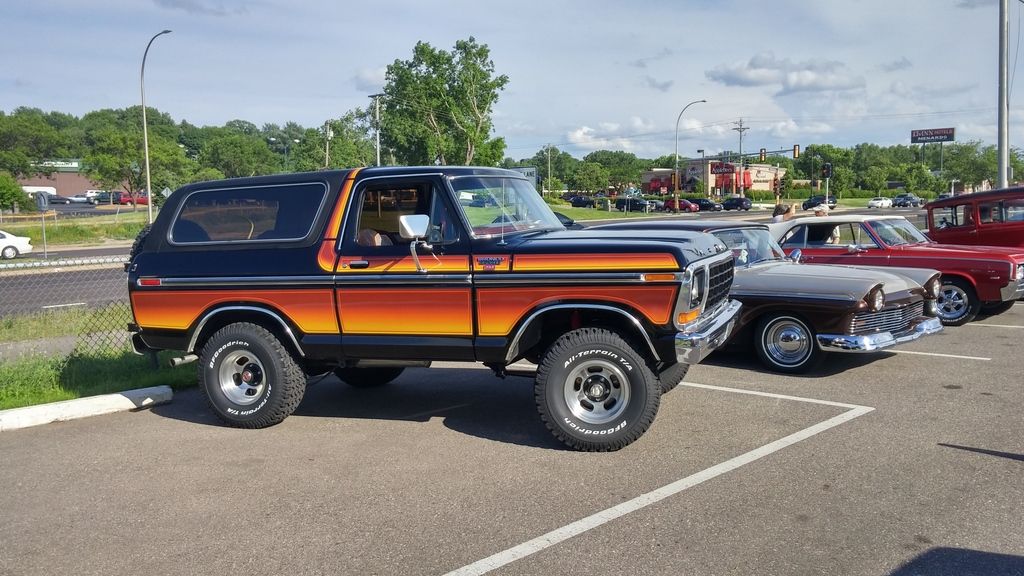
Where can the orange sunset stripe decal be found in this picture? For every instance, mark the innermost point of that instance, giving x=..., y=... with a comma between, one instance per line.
x=327, y=255
x=405, y=265
x=400, y=311
x=501, y=308
x=311, y=310
x=593, y=262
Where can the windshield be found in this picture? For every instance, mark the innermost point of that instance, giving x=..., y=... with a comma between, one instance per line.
x=750, y=245
x=897, y=232
x=499, y=205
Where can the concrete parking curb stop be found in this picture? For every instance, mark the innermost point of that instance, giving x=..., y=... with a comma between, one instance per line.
x=28, y=416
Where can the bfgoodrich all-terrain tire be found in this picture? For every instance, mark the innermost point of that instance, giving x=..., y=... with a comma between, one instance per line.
x=671, y=377
x=249, y=379
x=368, y=377
x=595, y=392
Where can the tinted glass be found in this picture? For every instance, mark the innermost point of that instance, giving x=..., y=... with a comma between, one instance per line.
x=953, y=216
x=382, y=205
x=1013, y=210
x=271, y=213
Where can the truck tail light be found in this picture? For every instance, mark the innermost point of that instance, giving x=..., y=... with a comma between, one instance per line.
x=149, y=281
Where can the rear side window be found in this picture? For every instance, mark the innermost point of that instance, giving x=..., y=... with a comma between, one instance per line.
x=953, y=216
x=260, y=213
x=1013, y=210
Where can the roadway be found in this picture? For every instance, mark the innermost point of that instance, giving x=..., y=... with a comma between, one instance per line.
x=893, y=464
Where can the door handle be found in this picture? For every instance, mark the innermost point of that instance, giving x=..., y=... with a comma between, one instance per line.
x=358, y=264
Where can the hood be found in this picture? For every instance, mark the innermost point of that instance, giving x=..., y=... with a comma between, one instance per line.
x=690, y=245
x=964, y=251
x=790, y=279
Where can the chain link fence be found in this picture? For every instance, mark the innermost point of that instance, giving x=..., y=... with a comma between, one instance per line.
x=75, y=307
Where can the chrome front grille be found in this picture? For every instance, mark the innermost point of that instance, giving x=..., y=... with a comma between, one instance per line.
x=719, y=282
x=893, y=320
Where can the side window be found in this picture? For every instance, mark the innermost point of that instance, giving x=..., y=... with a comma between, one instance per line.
x=845, y=234
x=1013, y=210
x=954, y=216
x=272, y=213
x=822, y=235
x=864, y=239
x=795, y=238
x=382, y=205
x=990, y=213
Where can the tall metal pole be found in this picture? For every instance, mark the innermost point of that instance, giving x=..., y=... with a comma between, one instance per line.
x=675, y=191
x=145, y=130
x=1004, y=139
x=549, y=167
x=376, y=102
x=741, y=129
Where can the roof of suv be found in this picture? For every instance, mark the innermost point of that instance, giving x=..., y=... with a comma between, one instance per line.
x=977, y=196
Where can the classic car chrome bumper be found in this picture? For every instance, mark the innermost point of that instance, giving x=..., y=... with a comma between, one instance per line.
x=694, y=345
x=872, y=342
x=1012, y=291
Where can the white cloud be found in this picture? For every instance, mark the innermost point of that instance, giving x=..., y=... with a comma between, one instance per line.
x=896, y=65
x=369, y=80
x=765, y=69
x=587, y=138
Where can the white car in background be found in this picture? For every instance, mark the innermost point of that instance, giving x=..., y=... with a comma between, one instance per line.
x=11, y=246
x=880, y=202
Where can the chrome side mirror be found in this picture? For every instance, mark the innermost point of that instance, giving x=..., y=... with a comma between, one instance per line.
x=796, y=255
x=415, y=226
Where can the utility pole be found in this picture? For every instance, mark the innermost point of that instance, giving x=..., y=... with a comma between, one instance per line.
x=741, y=129
x=549, y=165
x=1004, y=138
x=376, y=101
x=328, y=134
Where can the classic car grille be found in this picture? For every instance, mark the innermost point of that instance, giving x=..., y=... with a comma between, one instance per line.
x=893, y=320
x=719, y=282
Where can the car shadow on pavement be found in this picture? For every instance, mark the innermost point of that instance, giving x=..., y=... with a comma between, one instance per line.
x=944, y=561
x=833, y=363
x=471, y=402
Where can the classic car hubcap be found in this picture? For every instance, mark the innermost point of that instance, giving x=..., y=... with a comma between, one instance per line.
x=241, y=377
x=596, y=392
x=952, y=302
x=787, y=342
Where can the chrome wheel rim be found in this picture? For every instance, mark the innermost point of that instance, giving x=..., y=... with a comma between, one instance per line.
x=787, y=342
x=242, y=377
x=953, y=302
x=596, y=392
x=9, y=252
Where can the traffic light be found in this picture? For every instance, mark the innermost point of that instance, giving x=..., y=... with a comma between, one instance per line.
x=796, y=151
x=826, y=170
x=763, y=156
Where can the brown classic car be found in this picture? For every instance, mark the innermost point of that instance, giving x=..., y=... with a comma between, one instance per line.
x=794, y=312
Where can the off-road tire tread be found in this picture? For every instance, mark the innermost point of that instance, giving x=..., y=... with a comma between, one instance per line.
x=586, y=337
x=292, y=385
x=140, y=239
x=672, y=376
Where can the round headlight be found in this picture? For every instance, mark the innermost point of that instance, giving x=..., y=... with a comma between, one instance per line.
x=876, y=300
x=932, y=287
x=694, y=292
x=1020, y=271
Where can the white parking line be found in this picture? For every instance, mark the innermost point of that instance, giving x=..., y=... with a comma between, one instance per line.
x=63, y=305
x=981, y=358
x=594, y=520
x=996, y=326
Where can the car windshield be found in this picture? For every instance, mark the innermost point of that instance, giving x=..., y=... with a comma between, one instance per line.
x=499, y=205
x=897, y=232
x=750, y=245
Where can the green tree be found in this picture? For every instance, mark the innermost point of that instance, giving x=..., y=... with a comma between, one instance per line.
x=12, y=195
x=622, y=167
x=237, y=155
x=874, y=178
x=437, y=106
x=562, y=164
x=25, y=139
x=589, y=176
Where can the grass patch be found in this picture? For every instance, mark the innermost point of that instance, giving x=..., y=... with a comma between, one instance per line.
x=39, y=380
x=65, y=322
x=81, y=230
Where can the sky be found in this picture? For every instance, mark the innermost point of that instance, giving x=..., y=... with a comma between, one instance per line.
x=583, y=75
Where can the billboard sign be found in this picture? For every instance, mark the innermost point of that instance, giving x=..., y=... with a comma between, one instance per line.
x=722, y=168
x=932, y=135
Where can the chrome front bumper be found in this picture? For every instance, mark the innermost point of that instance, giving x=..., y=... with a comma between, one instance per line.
x=1012, y=291
x=694, y=345
x=873, y=342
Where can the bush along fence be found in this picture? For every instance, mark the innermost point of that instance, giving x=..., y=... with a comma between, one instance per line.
x=63, y=333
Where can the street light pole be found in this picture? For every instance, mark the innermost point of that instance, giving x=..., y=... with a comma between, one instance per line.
x=675, y=191
x=376, y=102
x=145, y=130
x=741, y=129
x=703, y=169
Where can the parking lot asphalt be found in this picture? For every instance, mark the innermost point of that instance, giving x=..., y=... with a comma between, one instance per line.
x=912, y=465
